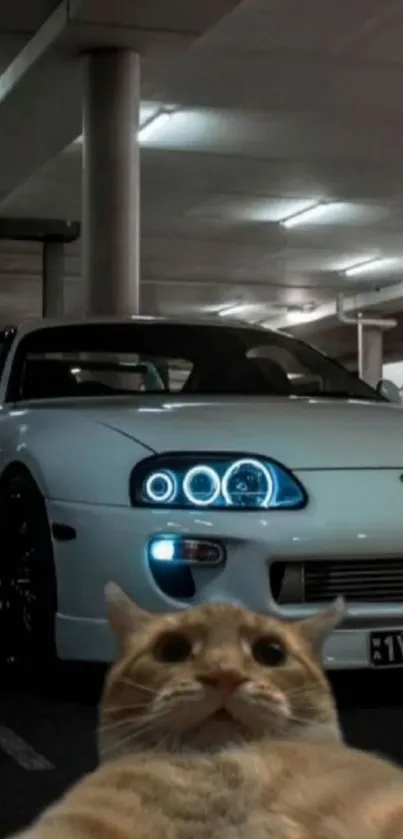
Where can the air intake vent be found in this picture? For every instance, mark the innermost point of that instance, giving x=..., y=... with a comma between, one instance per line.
x=370, y=580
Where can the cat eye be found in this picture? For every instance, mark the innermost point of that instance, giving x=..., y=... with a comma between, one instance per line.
x=269, y=652
x=173, y=648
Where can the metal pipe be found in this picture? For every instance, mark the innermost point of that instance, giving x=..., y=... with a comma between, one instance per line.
x=354, y=320
x=370, y=353
x=360, y=349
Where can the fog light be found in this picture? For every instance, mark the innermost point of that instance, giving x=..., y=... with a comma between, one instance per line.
x=187, y=551
x=163, y=550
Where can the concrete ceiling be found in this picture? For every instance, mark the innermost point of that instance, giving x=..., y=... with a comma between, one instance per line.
x=279, y=104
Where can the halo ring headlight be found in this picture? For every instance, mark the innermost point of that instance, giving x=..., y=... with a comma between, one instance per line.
x=219, y=481
x=160, y=487
x=244, y=478
x=201, y=486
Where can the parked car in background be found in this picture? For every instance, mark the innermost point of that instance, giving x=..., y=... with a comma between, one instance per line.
x=190, y=461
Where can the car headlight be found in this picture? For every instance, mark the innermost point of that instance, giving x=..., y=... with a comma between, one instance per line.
x=215, y=481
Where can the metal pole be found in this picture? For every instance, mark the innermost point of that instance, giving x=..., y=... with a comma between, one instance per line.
x=360, y=346
x=52, y=279
x=111, y=183
x=370, y=353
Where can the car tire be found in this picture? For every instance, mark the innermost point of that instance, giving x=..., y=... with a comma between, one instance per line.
x=28, y=595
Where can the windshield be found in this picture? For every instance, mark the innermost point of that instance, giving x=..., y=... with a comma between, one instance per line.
x=154, y=357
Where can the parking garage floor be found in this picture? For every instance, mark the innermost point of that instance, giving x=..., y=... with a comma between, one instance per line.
x=47, y=737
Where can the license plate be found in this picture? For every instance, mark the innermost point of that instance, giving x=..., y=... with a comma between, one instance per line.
x=386, y=648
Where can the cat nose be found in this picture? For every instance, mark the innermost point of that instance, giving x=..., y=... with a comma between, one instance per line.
x=222, y=679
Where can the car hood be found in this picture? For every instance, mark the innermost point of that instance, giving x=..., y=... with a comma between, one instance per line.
x=302, y=433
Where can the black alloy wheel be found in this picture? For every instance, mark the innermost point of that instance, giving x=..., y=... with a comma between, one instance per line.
x=27, y=578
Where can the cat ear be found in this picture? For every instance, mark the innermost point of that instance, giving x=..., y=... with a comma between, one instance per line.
x=315, y=630
x=124, y=616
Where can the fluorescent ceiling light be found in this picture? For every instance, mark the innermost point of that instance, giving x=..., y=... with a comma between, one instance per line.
x=298, y=317
x=231, y=310
x=301, y=314
x=309, y=214
x=157, y=121
x=365, y=265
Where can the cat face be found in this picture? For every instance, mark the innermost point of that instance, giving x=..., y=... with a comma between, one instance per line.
x=214, y=675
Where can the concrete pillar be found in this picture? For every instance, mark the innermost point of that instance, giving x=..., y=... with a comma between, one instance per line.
x=52, y=279
x=370, y=353
x=111, y=182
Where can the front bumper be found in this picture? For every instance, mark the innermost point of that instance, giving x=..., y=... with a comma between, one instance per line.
x=111, y=543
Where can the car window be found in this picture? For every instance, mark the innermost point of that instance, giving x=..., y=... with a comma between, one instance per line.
x=152, y=358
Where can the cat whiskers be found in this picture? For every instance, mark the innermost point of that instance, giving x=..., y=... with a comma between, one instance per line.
x=303, y=690
x=306, y=721
x=132, y=706
x=137, y=685
x=139, y=722
x=134, y=731
x=130, y=742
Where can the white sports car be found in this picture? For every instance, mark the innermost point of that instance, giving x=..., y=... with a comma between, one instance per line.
x=193, y=461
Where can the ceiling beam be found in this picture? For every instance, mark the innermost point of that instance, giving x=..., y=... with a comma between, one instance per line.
x=38, y=230
x=41, y=90
x=286, y=81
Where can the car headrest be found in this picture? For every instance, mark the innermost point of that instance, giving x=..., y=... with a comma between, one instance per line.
x=47, y=379
x=275, y=376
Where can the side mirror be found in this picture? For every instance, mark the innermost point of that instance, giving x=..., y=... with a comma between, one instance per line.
x=389, y=391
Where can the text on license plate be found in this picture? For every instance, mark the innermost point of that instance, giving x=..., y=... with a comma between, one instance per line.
x=386, y=648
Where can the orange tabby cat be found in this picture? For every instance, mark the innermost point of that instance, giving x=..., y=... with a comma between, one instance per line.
x=214, y=675
x=218, y=723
